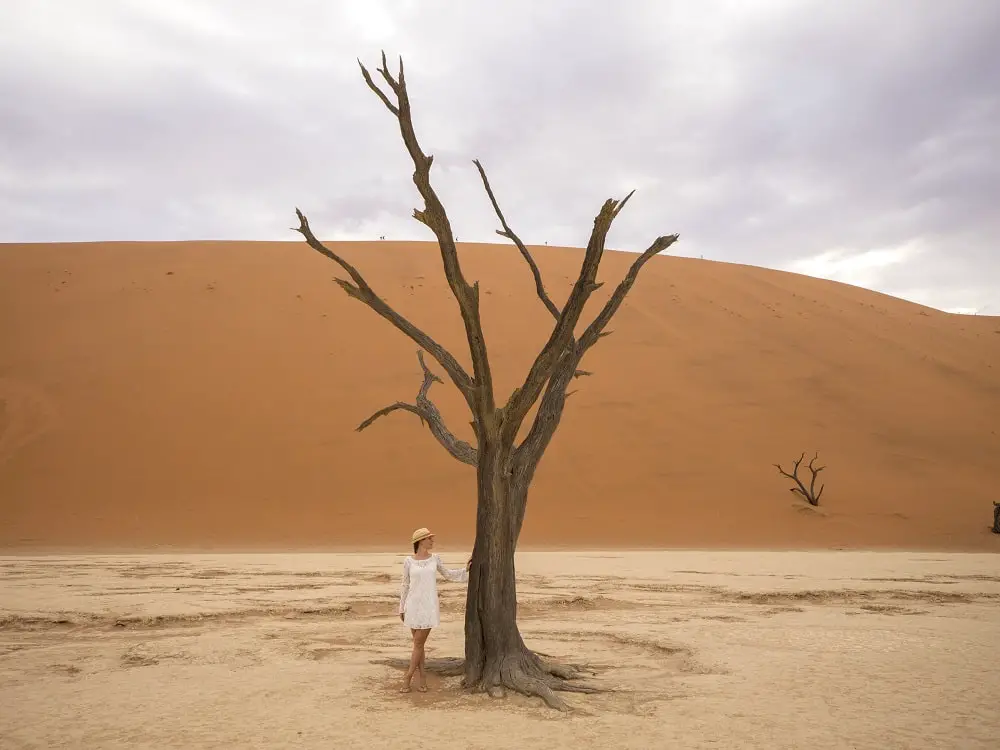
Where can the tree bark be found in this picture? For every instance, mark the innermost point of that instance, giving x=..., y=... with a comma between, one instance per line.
x=491, y=633
x=496, y=657
x=490, y=616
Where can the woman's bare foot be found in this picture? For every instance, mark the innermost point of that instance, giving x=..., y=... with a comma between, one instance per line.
x=405, y=688
x=422, y=687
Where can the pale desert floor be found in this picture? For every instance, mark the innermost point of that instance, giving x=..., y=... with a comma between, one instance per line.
x=703, y=649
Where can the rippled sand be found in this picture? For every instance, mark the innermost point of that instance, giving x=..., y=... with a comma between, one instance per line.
x=701, y=649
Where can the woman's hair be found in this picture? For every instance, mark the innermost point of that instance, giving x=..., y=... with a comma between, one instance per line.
x=415, y=546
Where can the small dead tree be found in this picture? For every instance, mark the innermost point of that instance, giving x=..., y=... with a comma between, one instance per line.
x=996, y=517
x=809, y=495
x=496, y=657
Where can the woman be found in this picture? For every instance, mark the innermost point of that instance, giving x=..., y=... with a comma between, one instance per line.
x=418, y=601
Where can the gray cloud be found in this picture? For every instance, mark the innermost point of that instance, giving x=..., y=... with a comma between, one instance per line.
x=858, y=141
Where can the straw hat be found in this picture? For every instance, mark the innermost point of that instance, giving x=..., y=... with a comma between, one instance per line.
x=421, y=534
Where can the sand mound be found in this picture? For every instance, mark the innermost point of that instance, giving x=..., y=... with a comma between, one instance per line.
x=205, y=394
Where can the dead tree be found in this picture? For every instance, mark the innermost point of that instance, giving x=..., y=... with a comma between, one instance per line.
x=809, y=495
x=496, y=657
x=996, y=517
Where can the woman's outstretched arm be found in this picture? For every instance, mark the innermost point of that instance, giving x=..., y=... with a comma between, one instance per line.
x=458, y=575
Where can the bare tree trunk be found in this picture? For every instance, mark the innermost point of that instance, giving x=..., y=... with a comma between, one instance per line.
x=490, y=617
x=496, y=657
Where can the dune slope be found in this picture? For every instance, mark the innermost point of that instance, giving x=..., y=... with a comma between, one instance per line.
x=205, y=395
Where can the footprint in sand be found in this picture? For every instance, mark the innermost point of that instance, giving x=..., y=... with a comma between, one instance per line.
x=26, y=414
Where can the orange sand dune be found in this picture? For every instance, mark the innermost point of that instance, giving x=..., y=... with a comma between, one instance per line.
x=205, y=395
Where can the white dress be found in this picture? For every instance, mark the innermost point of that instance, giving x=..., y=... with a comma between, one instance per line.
x=419, y=597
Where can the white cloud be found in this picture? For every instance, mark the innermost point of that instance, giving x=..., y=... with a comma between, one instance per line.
x=865, y=268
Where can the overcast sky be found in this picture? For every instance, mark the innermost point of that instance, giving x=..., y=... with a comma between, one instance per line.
x=857, y=140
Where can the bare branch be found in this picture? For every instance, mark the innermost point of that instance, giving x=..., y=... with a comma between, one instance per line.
x=374, y=87
x=360, y=290
x=812, y=484
x=594, y=332
x=529, y=453
x=395, y=85
x=809, y=495
x=428, y=413
x=621, y=205
x=509, y=234
x=561, y=338
x=389, y=410
x=550, y=410
x=596, y=329
x=433, y=215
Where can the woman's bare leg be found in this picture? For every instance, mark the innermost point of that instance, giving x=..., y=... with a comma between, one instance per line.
x=416, y=660
x=421, y=673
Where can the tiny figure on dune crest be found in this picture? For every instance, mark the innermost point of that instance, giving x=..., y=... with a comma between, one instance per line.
x=418, y=601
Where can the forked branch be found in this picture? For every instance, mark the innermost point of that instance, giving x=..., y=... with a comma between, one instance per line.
x=429, y=414
x=553, y=401
x=562, y=336
x=809, y=495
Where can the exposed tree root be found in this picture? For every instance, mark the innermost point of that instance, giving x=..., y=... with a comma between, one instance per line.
x=522, y=673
